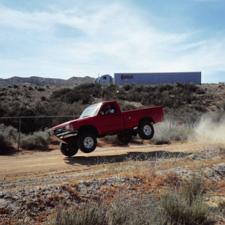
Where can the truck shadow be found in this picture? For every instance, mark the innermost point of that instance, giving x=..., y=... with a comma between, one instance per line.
x=137, y=156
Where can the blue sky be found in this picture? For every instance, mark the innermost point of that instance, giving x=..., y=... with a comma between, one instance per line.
x=56, y=38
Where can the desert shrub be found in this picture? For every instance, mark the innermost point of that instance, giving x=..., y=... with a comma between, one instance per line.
x=165, y=87
x=169, y=131
x=61, y=92
x=221, y=209
x=193, y=189
x=8, y=137
x=43, y=98
x=109, y=92
x=84, y=93
x=124, y=106
x=127, y=87
x=178, y=211
x=189, y=87
x=41, y=89
x=38, y=140
x=29, y=125
x=122, y=211
x=5, y=145
x=120, y=94
x=9, y=132
x=168, y=95
x=200, y=108
x=133, y=211
x=185, y=207
x=62, y=108
x=89, y=214
x=176, y=99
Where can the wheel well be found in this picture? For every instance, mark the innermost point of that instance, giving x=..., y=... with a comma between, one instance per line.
x=88, y=128
x=146, y=119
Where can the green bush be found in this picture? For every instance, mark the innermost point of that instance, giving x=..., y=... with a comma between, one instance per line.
x=38, y=140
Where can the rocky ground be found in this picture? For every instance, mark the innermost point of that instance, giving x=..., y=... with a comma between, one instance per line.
x=32, y=193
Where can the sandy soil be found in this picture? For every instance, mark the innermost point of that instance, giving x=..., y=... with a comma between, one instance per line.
x=37, y=163
x=46, y=164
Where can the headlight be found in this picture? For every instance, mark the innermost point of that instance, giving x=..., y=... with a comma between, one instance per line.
x=69, y=127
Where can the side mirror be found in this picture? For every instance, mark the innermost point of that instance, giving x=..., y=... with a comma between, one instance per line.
x=101, y=113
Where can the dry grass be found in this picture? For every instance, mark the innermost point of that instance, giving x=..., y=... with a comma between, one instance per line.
x=176, y=207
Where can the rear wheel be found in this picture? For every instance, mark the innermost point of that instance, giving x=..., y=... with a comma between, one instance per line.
x=146, y=130
x=68, y=149
x=124, y=138
x=87, y=142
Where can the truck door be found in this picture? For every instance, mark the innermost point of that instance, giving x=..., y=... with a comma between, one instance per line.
x=111, y=120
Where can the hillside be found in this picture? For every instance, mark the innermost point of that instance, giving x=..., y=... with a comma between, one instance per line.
x=40, y=81
x=181, y=102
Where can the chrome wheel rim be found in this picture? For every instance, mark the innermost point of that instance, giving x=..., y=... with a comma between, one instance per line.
x=147, y=130
x=88, y=142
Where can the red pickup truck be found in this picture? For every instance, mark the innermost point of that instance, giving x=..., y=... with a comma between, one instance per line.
x=105, y=118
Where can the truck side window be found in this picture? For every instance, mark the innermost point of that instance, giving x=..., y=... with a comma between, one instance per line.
x=107, y=110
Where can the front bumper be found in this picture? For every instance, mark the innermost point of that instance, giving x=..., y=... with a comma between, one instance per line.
x=63, y=134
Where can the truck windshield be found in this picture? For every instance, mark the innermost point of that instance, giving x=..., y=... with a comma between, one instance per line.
x=90, y=110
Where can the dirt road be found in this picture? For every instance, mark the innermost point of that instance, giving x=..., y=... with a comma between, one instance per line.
x=38, y=165
x=44, y=162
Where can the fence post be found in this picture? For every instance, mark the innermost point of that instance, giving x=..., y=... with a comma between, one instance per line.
x=19, y=130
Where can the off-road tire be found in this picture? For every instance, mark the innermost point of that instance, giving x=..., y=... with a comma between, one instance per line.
x=146, y=130
x=87, y=142
x=68, y=149
x=124, y=137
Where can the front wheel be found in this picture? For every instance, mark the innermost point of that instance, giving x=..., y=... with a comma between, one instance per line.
x=146, y=130
x=68, y=149
x=87, y=142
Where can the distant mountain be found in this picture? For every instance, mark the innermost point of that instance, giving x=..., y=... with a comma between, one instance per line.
x=40, y=81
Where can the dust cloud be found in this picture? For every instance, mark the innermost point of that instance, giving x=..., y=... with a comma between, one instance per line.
x=210, y=129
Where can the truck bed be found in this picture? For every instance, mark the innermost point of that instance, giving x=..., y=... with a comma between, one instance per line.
x=132, y=117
